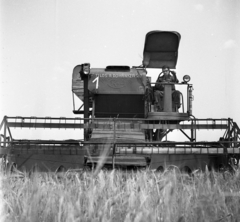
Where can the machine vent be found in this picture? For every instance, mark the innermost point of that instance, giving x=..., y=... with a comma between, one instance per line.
x=117, y=69
x=121, y=106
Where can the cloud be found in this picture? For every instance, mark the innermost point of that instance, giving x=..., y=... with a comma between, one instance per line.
x=229, y=44
x=199, y=7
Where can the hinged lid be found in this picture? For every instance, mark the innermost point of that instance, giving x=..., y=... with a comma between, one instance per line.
x=161, y=48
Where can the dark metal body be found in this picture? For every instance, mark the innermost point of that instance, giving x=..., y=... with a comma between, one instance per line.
x=121, y=127
x=49, y=155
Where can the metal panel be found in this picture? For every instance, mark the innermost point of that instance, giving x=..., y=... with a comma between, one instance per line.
x=129, y=106
x=161, y=48
x=105, y=82
x=46, y=125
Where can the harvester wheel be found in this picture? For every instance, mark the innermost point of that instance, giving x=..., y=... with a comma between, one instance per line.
x=174, y=169
x=186, y=170
x=87, y=168
x=61, y=169
x=234, y=161
x=160, y=169
x=221, y=168
x=226, y=169
x=13, y=168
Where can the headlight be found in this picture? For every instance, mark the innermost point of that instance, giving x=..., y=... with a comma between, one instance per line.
x=86, y=68
x=186, y=78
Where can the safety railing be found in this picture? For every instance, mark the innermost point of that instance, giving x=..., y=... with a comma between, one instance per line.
x=188, y=92
x=7, y=139
x=232, y=133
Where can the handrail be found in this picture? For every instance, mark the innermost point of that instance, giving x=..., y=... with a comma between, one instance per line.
x=111, y=141
x=171, y=83
x=107, y=123
x=78, y=118
x=115, y=125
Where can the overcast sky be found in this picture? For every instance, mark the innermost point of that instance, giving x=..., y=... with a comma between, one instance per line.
x=42, y=41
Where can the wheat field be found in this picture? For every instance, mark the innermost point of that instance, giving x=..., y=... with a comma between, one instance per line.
x=120, y=196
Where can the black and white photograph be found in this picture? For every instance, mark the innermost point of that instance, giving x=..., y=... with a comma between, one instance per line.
x=120, y=110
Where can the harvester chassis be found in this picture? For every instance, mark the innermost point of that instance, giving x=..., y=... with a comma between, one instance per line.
x=50, y=155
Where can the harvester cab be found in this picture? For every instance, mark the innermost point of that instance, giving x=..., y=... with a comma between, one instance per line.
x=124, y=92
x=126, y=118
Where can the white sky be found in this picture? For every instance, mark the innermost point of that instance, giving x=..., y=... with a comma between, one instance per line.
x=42, y=40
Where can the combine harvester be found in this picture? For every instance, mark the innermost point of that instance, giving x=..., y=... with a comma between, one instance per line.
x=121, y=126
